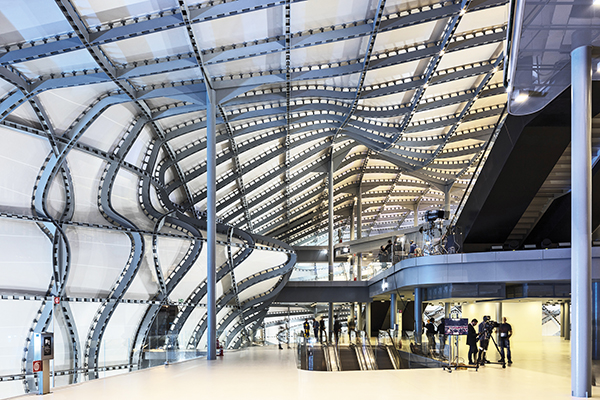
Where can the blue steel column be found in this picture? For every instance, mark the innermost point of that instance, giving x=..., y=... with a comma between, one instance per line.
x=330, y=216
x=595, y=320
x=581, y=230
x=359, y=232
x=211, y=225
x=359, y=318
x=418, y=314
x=393, y=310
x=330, y=231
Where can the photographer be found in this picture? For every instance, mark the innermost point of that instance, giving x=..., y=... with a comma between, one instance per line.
x=485, y=333
x=505, y=331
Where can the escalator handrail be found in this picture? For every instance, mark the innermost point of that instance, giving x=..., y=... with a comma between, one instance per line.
x=333, y=362
x=327, y=357
x=367, y=349
x=359, y=356
x=393, y=350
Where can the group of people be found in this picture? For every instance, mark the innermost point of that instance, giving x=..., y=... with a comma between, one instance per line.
x=431, y=330
x=386, y=253
x=477, y=354
x=319, y=331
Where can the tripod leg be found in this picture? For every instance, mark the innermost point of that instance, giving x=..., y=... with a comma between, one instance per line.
x=499, y=352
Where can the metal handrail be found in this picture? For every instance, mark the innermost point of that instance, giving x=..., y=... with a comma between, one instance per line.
x=392, y=350
x=332, y=350
x=327, y=357
x=359, y=356
x=367, y=350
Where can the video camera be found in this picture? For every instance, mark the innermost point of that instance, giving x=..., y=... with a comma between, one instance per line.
x=432, y=215
x=489, y=325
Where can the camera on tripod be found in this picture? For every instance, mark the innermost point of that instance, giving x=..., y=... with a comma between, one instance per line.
x=489, y=325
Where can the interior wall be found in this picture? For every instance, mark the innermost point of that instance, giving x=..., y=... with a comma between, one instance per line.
x=524, y=317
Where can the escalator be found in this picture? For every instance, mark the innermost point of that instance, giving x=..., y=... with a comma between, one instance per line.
x=312, y=358
x=349, y=358
x=383, y=357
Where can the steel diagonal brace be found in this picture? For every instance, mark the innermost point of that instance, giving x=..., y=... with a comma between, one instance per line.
x=433, y=63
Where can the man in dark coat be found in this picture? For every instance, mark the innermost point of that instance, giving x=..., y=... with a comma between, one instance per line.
x=505, y=331
x=472, y=341
x=431, y=331
x=337, y=327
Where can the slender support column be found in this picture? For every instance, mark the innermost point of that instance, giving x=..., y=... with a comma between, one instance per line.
x=330, y=322
x=568, y=321
x=330, y=221
x=368, y=320
x=581, y=229
x=447, y=309
x=359, y=211
x=359, y=318
x=418, y=314
x=416, y=214
x=211, y=224
x=498, y=319
x=562, y=320
x=330, y=230
x=595, y=320
x=393, y=311
x=359, y=232
x=352, y=216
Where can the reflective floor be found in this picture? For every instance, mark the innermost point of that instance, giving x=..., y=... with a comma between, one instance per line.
x=540, y=371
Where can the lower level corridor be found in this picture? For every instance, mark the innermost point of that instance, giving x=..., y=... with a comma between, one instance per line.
x=540, y=371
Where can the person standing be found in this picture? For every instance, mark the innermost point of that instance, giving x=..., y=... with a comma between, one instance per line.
x=315, y=325
x=485, y=333
x=306, y=327
x=505, y=332
x=431, y=331
x=472, y=341
x=386, y=252
x=322, y=328
x=337, y=327
x=351, y=328
x=441, y=328
x=412, y=248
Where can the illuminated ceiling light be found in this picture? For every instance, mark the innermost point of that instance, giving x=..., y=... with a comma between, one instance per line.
x=442, y=53
x=463, y=11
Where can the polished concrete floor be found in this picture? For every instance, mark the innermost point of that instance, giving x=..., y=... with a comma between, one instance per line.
x=540, y=371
